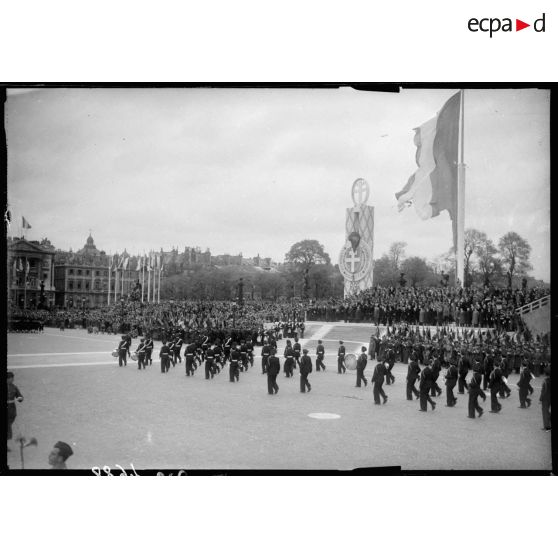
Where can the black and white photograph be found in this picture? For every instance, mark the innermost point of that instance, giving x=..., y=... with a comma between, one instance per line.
x=277, y=278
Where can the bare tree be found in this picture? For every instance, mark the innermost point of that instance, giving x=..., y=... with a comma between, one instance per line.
x=514, y=252
x=396, y=254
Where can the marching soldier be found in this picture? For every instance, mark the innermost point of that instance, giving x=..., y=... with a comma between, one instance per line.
x=250, y=353
x=305, y=367
x=289, y=360
x=424, y=388
x=165, y=357
x=209, y=363
x=243, y=356
x=140, y=351
x=451, y=381
x=341, y=359
x=463, y=370
x=233, y=368
x=149, y=349
x=266, y=352
x=13, y=395
x=545, y=402
x=273, y=368
x=170, y=345
x=523, y=384
x=122, y=351
x=474, y=392
x=176, y=350
x=390, y=360
x=495, y=385
x=296, y=351
x=436, y=368
x=413, y=373
x=378, y=380
x=217, y=351
x=227, y=350
x=189, y=354
x=320, y=352
x=360, y=366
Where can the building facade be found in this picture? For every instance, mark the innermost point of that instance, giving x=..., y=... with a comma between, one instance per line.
x=30, y=273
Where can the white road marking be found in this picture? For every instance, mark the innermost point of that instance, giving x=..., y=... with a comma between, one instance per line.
x=60, y=365
x=59, y=354
x=324, y=416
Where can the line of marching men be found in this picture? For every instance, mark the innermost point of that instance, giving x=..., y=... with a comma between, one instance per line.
x=488, y=374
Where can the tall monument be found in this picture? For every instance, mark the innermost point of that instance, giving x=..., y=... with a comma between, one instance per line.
x=355, y=259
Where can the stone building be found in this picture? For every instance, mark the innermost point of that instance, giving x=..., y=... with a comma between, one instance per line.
x=30, y=273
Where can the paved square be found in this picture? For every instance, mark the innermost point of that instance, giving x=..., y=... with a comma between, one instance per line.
x=74, y=391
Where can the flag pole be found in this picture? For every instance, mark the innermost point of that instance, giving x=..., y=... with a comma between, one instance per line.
x=109, y=278
x=142, y=277
x=25, y=285
x=460, y=248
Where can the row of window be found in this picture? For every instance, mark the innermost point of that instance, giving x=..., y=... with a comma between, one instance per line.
x=87, y=272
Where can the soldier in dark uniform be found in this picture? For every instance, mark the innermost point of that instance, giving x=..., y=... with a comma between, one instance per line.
x=378, y=380
x=425, y=385
x=234, y=366
x=128, y=339
x=217, y=351
x=177, y=347
x=149, y=349
x=140, y=351
x=13, y=395
x=462, y=370
x=436, y=368
x=273, y=368
x=320, y=351
x=474, y=392
x=165, y=357
x=296, y=351
x=372, y=347
x=250, y=353
x=266, y=352
x=209, y=363
x=451, y=381
x=305, y=367
x=413, y=372
x=243, y=356
x=523, y=384
x=488, y=366
x=495, y=386
x=341, y=358
x=227, y=350
x=545, y=402
x=360, y=366
x=389, y=358
x=478, y=371
x=122, y=351
x=289, y=359
x=189, y=355
x=505, y=391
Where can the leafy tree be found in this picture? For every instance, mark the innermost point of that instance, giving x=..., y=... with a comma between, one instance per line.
x=385, y=274
x=488, y=261
x=304, y=255
x=514, y=253
x=416, y=270
x=473, y=239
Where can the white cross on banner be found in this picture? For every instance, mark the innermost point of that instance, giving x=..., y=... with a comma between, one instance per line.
x=352, y=259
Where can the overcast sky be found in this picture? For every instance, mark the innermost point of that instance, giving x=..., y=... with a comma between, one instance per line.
x=256, y=170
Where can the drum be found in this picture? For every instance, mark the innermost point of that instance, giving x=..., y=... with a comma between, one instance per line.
x=350, y=361
x=134, y=356
x=115, y=353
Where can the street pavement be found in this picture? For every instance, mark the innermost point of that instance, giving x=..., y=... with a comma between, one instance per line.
x=75, y=392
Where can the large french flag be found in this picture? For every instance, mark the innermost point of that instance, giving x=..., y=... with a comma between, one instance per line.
x=433, y=186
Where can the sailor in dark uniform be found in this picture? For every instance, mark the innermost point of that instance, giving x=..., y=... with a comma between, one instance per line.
x=341, y=358
x=305, y=367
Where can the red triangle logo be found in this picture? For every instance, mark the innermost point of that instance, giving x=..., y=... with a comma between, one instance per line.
x=519, y=25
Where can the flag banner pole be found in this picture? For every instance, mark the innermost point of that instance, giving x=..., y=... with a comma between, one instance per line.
x=460, y=251
x=109, y=278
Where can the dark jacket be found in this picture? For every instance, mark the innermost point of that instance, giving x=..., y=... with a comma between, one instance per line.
x=305, y=364
x=273, y=365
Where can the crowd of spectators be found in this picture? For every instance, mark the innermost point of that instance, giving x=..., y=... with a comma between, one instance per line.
x=473, y=306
